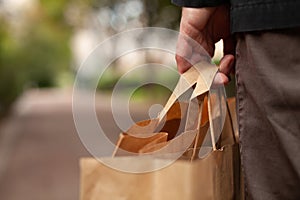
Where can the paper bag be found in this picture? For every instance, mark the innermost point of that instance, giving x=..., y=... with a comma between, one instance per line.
x=215, y=176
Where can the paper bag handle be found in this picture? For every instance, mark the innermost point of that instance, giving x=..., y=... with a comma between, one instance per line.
x=201, y=73
x=191, y=114
x=212, y=133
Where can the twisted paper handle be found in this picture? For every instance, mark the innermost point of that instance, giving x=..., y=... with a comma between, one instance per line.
x=202, y=73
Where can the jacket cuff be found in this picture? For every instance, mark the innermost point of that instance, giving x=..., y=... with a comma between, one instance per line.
x=199, y=3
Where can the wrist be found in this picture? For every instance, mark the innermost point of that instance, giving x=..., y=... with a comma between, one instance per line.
x=193, y=20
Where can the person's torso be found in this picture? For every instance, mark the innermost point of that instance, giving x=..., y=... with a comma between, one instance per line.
x=256, y=15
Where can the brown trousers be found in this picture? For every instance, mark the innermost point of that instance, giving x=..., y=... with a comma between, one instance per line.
x=268, y=95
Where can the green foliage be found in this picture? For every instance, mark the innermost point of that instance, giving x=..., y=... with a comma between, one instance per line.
x=54, y=10
x=151, y=92
x=36, y=53
x=144, y=91
x=47, y=55
x=162, y=13
x=11, y=76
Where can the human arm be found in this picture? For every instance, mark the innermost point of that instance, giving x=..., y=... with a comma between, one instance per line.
x=206, y=26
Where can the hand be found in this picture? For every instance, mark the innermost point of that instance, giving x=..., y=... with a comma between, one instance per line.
x=203, y=27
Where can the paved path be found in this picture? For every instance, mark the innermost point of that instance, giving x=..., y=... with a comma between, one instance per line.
x=40, y=148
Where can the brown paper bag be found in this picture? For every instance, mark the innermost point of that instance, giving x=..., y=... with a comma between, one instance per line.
x=215, y=176
x=133, y=144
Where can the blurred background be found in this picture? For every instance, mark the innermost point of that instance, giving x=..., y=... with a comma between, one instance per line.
x=42, y=44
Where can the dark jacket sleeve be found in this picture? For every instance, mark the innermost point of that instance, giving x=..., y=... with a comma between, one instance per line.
x=199, y=3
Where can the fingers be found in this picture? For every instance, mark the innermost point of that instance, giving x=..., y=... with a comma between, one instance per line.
x=189, y=52
x=183, y=54
x=227, y=62
x=192, y=44
x=182, y=64
x=220, y=79
x=226, y=66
